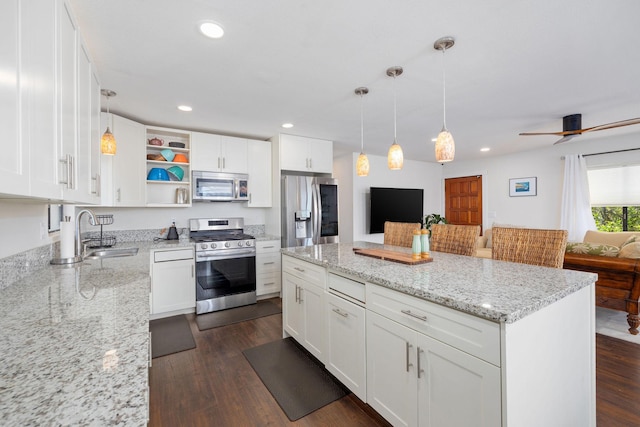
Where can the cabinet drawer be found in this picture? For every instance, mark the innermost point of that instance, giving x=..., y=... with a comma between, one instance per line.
x=310, y=273
x=267, y=246
x=268, y=262
x=347, y=287
x=471, y=334
x=172, y=255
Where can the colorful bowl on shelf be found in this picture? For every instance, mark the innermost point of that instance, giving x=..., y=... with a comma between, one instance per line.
x=158, y=174
x=176, y=173
x=168, y=154
x=180, y=158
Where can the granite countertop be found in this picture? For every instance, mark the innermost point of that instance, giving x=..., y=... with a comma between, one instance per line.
x=75, y=342
x=495, y=290
x=263, y=237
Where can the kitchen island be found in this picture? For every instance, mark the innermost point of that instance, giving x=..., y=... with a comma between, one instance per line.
x=75, y=343
x=475, y=341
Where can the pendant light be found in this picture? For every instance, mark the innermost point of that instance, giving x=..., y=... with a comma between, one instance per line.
x=108, y=142
x=362, y=165
x=445, y=146
x=395, y=158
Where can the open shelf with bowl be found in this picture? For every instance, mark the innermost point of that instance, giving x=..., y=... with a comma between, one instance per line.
x=168, y=167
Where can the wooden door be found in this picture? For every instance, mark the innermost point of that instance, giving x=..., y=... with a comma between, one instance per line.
x=463, y=200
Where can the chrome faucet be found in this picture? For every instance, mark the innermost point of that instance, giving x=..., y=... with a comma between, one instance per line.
x=92, y=219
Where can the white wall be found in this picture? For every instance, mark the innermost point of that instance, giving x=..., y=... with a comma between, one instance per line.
x=158, y=218
x=543, y=210
x=23, y=226
x=414, y=174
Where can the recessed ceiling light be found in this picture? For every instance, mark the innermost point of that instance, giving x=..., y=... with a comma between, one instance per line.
x=434, y=139
x=212, y=29
x=485, y=149
x=287, y=125
x=184, y=108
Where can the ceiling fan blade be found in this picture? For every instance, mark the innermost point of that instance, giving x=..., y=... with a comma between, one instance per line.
x=565, y=138
x=565, y=133
x=614, y=125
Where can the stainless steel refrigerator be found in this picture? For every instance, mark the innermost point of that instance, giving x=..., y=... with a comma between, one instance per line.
x=309, y=210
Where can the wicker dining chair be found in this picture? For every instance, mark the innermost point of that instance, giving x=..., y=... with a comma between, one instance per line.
x=454, y=239
x=400, y=233
x=529, y=246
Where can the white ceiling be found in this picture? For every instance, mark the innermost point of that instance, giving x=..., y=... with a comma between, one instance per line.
x=517, y=66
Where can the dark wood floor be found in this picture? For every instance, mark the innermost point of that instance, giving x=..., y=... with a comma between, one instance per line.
x=214, y=385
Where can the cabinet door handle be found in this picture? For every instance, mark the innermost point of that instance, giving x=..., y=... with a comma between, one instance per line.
x=224, y=163
x=250, y=197
x=340, y=312
x=301, y=270
x=118, y=195
x=269, y=284
x=420, y=370
x=310, y=163
x=300, y=295
x=192, y=272
x=268, y=247
x=97, y=185
x=417, y=316
x=268, y=263
x=297, y=293
x=218, y=162
x=407, y=354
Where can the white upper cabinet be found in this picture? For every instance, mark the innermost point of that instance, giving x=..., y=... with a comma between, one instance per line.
x=68, y=103
x=39, y=97
x=14, y=169
x=128, y=173
x=218, y=153
x=259, y=165
x=47, y=106
x=299, y=153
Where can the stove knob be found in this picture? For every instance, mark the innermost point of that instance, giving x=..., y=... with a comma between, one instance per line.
x=239, y=242
x=247, y=243
x=203, y=245
x=227, y=245
x=213, y=246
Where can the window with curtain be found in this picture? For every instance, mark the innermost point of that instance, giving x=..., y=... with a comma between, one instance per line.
x=615, y=197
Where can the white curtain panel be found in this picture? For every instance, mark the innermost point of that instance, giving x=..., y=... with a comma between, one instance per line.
x=575, y=216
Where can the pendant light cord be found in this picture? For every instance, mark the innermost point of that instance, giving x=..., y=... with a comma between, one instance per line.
x=361, y=123
x=444, y=94
x=395, y=113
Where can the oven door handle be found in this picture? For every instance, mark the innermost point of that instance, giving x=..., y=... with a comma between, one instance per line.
x=241, y=253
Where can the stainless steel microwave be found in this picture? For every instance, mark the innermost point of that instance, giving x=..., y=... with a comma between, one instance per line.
x=220, y=187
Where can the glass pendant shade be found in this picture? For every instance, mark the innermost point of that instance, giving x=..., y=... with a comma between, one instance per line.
x=108, y=143
x=445, y=147
x=395, y=158
x=362, y=165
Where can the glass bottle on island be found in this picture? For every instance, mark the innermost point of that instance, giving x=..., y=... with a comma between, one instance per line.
x=416, y=247
x=424, y=243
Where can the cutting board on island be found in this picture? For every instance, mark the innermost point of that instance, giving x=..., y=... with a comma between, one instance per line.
x=389, y=255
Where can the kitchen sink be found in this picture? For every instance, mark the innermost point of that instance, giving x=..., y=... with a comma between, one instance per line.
x=111, y=253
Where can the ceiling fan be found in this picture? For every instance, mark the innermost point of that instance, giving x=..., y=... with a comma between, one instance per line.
x=572, y=127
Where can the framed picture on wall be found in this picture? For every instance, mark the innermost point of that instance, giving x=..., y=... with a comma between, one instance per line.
x=519, y=187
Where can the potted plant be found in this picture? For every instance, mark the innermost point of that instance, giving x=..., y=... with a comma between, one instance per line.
x=431, y=219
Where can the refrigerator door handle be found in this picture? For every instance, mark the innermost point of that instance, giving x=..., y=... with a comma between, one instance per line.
x=317, y=214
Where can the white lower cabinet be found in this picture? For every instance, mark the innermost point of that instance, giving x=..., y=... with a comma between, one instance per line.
x=173, y=285
x=268, y=267
x=416, y=380
x=346, y=344
x=303, y=304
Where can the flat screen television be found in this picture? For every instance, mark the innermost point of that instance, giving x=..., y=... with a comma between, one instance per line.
x=394, y=204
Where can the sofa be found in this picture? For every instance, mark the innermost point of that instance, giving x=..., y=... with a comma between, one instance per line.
x=615, y=257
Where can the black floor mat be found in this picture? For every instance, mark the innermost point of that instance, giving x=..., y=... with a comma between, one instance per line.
x=170, y=335
x=298, y=382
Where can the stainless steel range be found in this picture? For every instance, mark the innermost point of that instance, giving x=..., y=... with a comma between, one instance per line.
x=225, y=264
